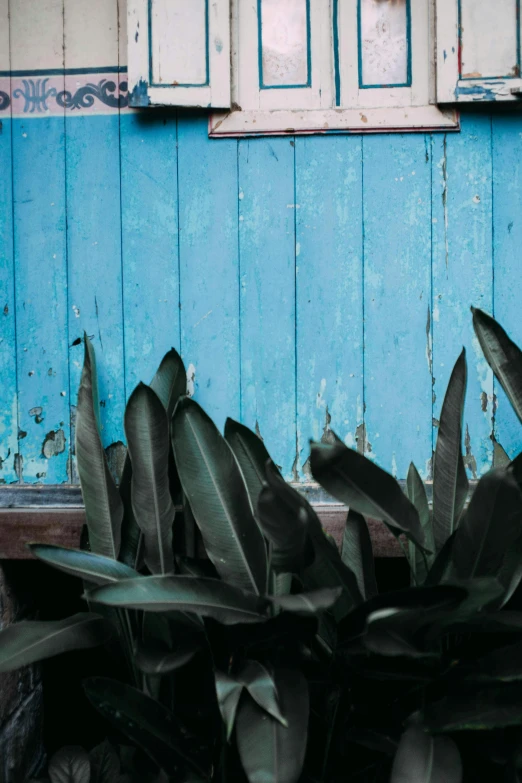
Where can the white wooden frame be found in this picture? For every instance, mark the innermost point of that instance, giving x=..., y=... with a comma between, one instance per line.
x=272, y=112
x=216, y=38
x=451, y=88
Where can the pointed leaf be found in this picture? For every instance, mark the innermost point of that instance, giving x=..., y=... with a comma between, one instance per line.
x=503, y=356
x=416, y=492
x=441, y=564
x=105, y=763
x=476, y=710
x=94, y=568
x=284, y=520
x=357, y=553
x=450, y=483
x=70, y=765
x=355, y=480
x=103, y=506
x=33, y=640
x=251, y=454
x=131, y=537
x=148, y=724
x=170, y=381
x=260, y=684
x=501, y=665
x=228, y=692
x=147, y=431
x=213, y=483
x=424, y=759
x=191, y=566
x=491, y=526
x=153, y=657
x=269, y=752
x=207, y=597
x=309, y=603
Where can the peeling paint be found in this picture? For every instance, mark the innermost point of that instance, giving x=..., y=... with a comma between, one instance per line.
x=116, y=453
x=139, y=98
x=36, y=412
x=469, y=460
x=191, y=380
x=484, y=401
x=18, y=465
x=429, y=352
x=445, y=196
x=258, y=431
x=53, y=444
x=363, y=444
x=327, y=436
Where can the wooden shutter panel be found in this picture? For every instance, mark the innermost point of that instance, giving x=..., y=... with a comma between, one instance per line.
x=478, y=51
x=179, y=53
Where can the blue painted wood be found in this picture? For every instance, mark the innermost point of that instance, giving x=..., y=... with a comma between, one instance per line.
x=94, y=261
x=149, y=204
x=41, y=296
x=8, y=386
x=507, y=248
x=329, y=316
x=397, y=297
x=462, y=270
x=208, y=248
x=267, y=214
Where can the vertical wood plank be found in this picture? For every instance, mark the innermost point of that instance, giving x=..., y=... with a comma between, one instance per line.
x=94, y=218
x=40, y=254
x=463, y=274
x=8, y=387
x=150, y=241
x=507, y=244
x=208, y=223
x=267, y=259
x=397, y=297
x=329, y=290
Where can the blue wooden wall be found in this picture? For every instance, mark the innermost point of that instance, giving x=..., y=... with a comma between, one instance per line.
x=310, y=283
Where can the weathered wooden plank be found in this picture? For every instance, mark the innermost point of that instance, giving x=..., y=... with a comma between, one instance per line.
x=149, y=199
x=8, y=387
x=463, y=274
x=208, y=247
x=397, y=298
x=40, y=250
x=329, y=302
x=267, y=262
x=94, y=222
x=507, y=244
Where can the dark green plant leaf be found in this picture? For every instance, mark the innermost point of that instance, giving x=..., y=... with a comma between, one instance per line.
x=251, y=454
x=147, y=432
x=284, y=520
x=416, y=492
x=373, y=740
x=131, y=537
x=70, y=765
x=490, y=527
x=269, y=752
x=363, y=486
x=450, y=482
x=33, y=640
x=94, y=568
x=476, y=710
x=501, y=665
x=391, y=632
x=207, y=597
x=228, y=692
x=309, y=603
x=503, y=356
x=214, y=486
x=103, y=505
x=441, y=563
x=148, y=724
x=105, y=763
x=191, y=566
x=153, y=657
x=357, y=553
x=424, y=759
x=170, y=381
x=483, y=594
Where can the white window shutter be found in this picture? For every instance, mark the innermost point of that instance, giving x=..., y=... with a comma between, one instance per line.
x=179, y=53
x=478, y=51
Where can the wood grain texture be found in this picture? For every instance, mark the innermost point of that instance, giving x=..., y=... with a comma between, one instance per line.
x=462, y=272
x=267, y=267
x=329, y=292
x=397, y=297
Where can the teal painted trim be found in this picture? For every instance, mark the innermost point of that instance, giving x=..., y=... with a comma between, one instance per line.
x=206, y=83
x=335, y=34
x=487, y=78
x=308, y=83
x=66, y=71
x=407, y=83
